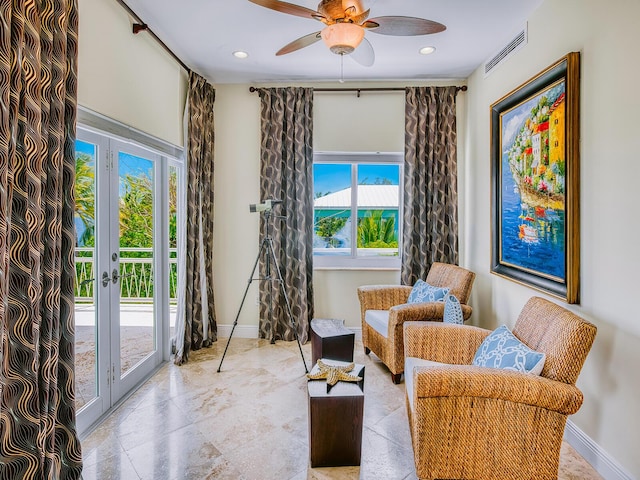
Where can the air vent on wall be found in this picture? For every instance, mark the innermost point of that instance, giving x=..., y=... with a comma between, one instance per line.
x=519, y=41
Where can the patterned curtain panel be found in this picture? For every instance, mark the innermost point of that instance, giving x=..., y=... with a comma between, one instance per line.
x=200, y=328
x=286, y=173
x=38, y=91
x=430, y=224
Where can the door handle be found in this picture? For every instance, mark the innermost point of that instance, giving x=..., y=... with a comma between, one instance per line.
x=115, y=276
x=86, y=282
x=105, y=279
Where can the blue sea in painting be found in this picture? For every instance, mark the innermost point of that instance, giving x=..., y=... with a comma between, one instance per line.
x=532, y=238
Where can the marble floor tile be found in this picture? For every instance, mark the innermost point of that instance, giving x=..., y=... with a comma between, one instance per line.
x=250, y=422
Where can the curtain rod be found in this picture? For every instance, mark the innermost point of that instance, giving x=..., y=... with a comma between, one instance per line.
x=358, y=90
x=141, y=26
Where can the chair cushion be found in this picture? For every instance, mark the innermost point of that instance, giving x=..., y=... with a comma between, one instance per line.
x=502, y=349
x=452, y=310
x=423, y=292
x=378, y=320
x=409, y=364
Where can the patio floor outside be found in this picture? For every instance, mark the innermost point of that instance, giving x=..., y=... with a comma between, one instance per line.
x=136, y=342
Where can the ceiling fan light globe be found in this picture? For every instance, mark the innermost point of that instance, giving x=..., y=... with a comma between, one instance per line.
x=342, y=38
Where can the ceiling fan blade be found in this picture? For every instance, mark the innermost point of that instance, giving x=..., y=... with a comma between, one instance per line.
x=299, y=43
x=403, y=26
x=364, y=54
x=289, y=8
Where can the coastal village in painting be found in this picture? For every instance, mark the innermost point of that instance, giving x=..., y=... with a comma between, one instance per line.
x=537, y=164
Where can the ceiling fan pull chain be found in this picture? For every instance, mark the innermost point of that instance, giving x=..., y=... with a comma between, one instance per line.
x=341, y=68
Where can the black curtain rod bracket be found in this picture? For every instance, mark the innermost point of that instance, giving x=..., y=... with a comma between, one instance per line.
x=139, y=27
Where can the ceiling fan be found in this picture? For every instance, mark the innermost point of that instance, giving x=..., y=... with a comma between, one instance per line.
x=345, y=24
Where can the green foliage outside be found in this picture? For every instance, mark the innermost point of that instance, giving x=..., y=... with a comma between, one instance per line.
x=135, y=221
x=327, y=227
x=374, y=231
x=85, y=198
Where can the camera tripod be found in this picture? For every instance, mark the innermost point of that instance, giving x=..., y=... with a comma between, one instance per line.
x=266, y=248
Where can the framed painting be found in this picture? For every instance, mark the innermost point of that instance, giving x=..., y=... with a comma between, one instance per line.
x=535, y=172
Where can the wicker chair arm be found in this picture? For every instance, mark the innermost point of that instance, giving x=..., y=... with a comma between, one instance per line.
x=382, y=297
x=505, y=385
x=443, y=342
x=427, y=311
x=430, y=311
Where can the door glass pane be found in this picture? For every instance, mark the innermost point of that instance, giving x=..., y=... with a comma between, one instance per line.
x=137, y=316
x=378, y=204
x=86, y=282
x=332, y=209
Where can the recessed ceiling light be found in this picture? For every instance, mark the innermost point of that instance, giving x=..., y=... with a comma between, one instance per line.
x=240, y=54
x=427, y=50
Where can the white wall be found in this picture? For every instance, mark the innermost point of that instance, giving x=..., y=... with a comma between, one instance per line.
x=127, y=77
x=342, y=122
x=605, y=33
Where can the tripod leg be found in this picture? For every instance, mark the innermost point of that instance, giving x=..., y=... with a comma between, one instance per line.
x=244, y=297
x=286, y=301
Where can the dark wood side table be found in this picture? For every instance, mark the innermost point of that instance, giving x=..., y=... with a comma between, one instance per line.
x=331, y=339
x=336, y=420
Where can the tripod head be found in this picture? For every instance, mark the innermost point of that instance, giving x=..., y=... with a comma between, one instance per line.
x=263, y=207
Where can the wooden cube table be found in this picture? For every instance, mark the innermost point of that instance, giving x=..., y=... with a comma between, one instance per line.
x=335, y=419
x=331, y=339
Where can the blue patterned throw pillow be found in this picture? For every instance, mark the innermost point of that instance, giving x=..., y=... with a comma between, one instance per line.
x=502, y=349
x=423, y=292
x=452, y=310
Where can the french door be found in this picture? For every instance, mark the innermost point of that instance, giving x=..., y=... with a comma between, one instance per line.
x=122, y=273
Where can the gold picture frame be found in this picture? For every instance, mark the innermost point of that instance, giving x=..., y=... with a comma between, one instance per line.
x=535, y=174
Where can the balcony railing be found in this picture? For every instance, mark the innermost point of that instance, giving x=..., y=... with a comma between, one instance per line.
x=136, y=275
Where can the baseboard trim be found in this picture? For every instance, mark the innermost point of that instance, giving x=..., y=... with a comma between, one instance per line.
x=357, y=331
x=241, y=331
x=603, y=463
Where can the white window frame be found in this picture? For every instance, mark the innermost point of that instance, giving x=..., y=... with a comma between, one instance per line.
x=353, y=261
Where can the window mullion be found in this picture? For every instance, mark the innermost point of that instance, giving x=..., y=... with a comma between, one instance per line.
x=354, y=210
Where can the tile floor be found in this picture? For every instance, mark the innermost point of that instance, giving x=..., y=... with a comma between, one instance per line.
x=250, y=422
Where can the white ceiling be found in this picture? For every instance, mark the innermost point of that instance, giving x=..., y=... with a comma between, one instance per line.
x=204, y=33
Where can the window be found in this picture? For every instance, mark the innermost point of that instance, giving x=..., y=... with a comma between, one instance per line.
x=357, y=209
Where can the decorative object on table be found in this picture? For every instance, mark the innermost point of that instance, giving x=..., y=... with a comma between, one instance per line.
x=331, y=339
x=334, y=373
x=384, y=310
x=535, y=181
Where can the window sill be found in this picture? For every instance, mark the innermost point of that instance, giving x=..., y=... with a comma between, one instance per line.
x=323, y=262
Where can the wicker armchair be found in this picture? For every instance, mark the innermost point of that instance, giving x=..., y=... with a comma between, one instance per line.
x=390, y=300
x=470, y=422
